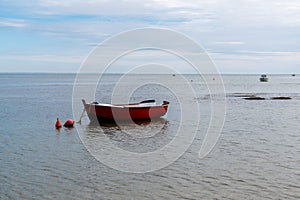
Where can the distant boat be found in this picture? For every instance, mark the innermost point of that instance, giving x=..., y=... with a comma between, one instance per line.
x=263, y=78
x=293, y=74
x=144, y=110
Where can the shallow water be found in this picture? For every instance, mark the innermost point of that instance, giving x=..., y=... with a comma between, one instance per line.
x=256, y=157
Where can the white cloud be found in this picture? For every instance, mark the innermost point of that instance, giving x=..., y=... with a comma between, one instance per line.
x=229, y=43
x=259, y=13
x=43, y=58
x=257, y=62
x=257, y=55
x=172, y=4
x=181, y=15
x=6, y=22
x=92, y=7
x=246, y=31
x=225, y=12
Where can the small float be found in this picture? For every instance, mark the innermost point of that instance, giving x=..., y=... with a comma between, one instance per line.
x=264, y=78
x=58, y=124
x=69, y=123
x=145, y=110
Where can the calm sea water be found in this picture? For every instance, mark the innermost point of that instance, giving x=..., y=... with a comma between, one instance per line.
x=256, y=157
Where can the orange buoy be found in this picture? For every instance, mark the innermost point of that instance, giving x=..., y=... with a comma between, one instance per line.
x=69, y=123
x=58, y=124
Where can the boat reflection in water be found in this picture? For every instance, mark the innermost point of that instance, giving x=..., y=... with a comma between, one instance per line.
x=112, y=123
x=144, y=136
x=141, y=128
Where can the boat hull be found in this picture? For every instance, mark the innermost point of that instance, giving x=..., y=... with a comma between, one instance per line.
x=263, y=79
x=103, y=113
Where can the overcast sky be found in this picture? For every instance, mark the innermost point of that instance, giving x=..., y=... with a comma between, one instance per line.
x=244, y=36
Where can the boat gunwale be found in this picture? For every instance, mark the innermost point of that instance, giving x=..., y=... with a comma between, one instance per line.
x=127, y=106
x=141, y=105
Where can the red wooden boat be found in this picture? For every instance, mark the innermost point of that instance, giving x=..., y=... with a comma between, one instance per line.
x=144, y=110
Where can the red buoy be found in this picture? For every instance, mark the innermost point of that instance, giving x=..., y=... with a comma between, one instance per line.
x=69, y=123
x=58, y=124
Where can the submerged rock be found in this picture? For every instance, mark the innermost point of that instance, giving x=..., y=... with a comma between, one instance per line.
x=255, y=98
x=280, y=98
